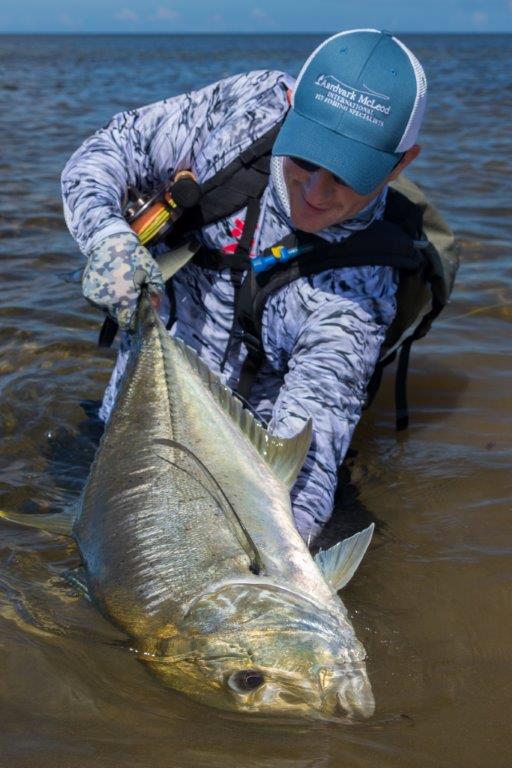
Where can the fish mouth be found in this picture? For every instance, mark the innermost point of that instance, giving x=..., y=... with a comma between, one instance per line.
x=352, y=701
x=354, y=696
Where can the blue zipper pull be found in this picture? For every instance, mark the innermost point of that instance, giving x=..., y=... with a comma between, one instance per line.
x=278, y=254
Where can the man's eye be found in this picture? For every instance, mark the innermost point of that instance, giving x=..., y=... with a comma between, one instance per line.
x=305, y=164
x=311, y=168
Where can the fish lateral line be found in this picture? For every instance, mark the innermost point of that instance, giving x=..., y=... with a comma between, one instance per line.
x=255, y=565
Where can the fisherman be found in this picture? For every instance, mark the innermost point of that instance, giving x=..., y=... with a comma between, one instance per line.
x=351, y=121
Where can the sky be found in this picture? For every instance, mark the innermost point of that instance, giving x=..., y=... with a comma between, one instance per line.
x=256, y=16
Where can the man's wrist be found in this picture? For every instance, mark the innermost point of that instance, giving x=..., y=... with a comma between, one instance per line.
x=117, y=227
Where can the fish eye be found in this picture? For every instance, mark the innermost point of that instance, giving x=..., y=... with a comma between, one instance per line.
x=246, y=680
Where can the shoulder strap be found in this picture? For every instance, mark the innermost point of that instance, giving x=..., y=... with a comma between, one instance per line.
x=427, y=260
x=233, y=187
x=382, y=243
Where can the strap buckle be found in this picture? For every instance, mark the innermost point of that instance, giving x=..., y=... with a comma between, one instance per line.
x=421, y=243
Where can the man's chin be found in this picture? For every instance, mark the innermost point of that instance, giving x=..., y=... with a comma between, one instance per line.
x=309, y=224
x=305, y=218
x=302, y=227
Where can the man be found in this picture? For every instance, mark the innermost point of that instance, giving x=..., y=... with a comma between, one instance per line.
x=356, y=109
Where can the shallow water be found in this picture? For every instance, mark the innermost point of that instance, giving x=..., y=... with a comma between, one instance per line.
x=431, y=601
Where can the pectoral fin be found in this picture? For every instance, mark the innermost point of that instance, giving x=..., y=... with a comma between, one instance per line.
x=339, y=563
x=60, y=523
x=77, y=579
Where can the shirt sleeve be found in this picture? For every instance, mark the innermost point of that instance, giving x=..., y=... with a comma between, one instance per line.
x=327, y=331
x=145, y=147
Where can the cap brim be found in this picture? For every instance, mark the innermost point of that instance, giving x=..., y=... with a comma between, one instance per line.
x=361, y=167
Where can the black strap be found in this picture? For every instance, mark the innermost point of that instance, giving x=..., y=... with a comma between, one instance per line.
x=236, y=279
x=232, y=188
x=376, y=380
x=383, y=243
x=242, y=252
x=402, y=413
x=169, y=290
x=404, y=213
x=108, y=332
x=251, y=365
x=253, y=157
x=251, y=222
x=218, y=260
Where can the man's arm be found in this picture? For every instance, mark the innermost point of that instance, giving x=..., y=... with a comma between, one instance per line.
x=142, y=147
x=145, y=147
x=328, y=329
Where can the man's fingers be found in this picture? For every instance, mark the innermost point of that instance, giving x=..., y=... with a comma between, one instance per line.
x=116, y=271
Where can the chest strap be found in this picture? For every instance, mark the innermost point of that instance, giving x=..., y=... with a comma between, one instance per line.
x=383, y=243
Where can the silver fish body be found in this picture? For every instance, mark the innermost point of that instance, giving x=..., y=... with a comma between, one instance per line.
x=186, y=531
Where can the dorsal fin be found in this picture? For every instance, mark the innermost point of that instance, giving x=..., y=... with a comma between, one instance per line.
x=285, y=455
x=339, y=563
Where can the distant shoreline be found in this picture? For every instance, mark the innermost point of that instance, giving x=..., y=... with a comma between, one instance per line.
x=242, y=34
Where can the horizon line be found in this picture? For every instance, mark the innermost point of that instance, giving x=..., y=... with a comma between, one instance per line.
x=217, y=34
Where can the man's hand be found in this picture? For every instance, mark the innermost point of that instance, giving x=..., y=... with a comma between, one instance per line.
x=115, y=273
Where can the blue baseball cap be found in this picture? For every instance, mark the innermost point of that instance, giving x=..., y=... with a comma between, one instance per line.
x=356, y=108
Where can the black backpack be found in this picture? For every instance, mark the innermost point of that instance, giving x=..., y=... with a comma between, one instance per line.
x=412, y=237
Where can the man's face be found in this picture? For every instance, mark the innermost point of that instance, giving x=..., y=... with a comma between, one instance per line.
x=318, y=200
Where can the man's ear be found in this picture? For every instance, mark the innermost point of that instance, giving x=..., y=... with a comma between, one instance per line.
x=410, y=155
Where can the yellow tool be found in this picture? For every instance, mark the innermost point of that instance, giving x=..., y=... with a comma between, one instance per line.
x=151, y=216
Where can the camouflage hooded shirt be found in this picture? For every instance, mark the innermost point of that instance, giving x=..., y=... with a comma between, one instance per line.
x=321, y=334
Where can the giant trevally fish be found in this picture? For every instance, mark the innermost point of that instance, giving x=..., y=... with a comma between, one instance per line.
x=187, y=537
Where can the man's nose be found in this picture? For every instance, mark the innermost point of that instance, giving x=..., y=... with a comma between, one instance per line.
x=320, y=186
